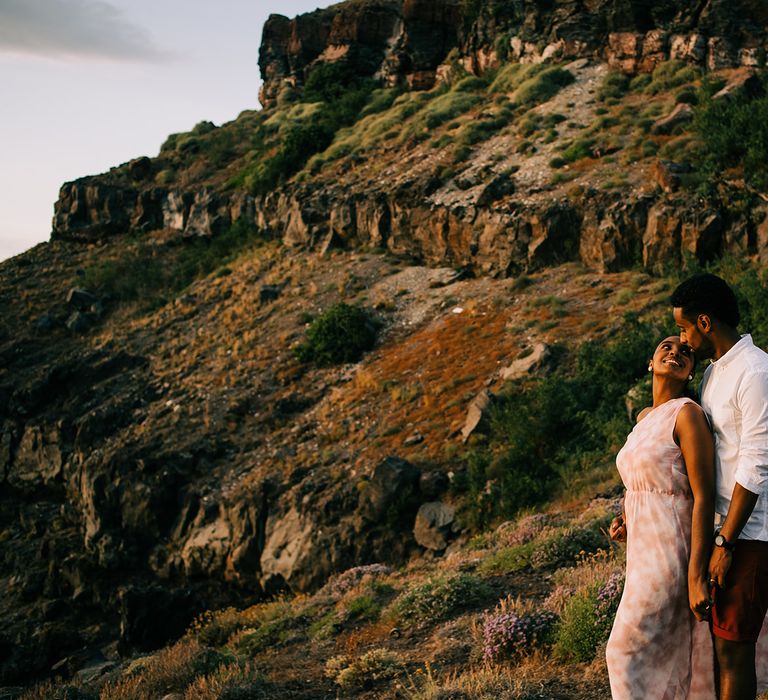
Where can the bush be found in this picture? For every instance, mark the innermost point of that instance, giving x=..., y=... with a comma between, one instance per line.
x=373, y=666
x=614, y=85
x=171, y=669
x=734, y=133
x=587, y=620
x=440, y=596
x=470, y=84
x=507, y=635
x=512, y=75
x=543, y=86
x=669, y=75
x=341, y=334
x=234, y=681
x=344, y=582
x=583, y=148
x=444, y=108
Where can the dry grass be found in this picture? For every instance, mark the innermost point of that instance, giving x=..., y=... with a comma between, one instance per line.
x=171, y=670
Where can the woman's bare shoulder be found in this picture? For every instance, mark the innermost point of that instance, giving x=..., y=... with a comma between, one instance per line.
x=643, y=413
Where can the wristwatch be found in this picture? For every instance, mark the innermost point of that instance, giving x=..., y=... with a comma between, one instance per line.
x=720, y=541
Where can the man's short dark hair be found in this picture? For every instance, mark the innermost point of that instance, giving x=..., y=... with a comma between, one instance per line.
x=710, y=295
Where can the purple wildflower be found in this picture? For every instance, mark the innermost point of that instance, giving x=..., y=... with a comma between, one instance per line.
x=508, y=635
x=347, y=580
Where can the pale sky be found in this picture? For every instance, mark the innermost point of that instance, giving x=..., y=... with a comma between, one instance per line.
x=89, y=84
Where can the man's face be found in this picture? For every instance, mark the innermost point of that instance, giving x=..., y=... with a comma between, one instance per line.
x=691, y=333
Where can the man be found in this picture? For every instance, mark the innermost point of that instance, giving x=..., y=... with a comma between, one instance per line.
x=734, y=395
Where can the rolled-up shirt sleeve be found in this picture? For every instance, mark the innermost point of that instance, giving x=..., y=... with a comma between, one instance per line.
x=752, y=469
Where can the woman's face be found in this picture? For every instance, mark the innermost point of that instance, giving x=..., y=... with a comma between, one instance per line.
x=673, y=358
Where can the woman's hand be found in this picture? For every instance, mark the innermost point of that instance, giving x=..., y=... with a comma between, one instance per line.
x=699, y=598
x=618, y=529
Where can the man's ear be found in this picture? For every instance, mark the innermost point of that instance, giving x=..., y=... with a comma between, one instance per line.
x=704, y=323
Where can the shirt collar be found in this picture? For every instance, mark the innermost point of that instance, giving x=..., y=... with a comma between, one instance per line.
x=736, y=351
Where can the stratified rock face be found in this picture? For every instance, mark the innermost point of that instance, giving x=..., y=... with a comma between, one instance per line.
x=357, y=32
x=406, y=41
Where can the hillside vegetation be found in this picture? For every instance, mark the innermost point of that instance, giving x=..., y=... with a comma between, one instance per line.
x=258, y=427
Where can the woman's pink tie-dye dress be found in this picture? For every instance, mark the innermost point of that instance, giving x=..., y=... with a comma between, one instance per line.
x=657, y=650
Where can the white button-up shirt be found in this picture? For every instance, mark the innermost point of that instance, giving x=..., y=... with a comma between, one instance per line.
x=734, y=395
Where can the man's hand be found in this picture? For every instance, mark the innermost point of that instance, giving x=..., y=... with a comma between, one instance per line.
x=699, y=599
x=719, y=564
x=618, y=529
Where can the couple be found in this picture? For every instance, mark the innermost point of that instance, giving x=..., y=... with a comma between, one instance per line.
x=694, y=602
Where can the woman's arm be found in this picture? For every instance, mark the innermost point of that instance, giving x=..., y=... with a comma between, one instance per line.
x=695, y=439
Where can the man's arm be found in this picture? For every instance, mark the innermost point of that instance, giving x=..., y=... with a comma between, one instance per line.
x=742, y=505
x=752, y=469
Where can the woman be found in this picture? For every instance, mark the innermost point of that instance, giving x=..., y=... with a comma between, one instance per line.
x=660, y=646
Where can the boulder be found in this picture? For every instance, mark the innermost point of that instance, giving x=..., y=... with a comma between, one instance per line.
x=434, y=525
x=288, y=548
x=667, y=174
x=81, y=299
x=475, y=413
x=681, y=114
x=661, y=240
x=688, y=47
x=206, y=548
x=390, y=492
x=78, y=322
x=39, y=458
x=534, y=361
x=703, y=236
x=140, y=168
x=743, y=81
x=433, y=483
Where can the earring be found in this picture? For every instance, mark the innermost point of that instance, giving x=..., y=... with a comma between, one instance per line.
x=650, y=366
x=690, y=377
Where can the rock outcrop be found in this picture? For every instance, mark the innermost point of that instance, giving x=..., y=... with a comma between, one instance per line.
x=408, y=41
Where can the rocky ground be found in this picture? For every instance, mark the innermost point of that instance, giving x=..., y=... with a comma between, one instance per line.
x=182, y=458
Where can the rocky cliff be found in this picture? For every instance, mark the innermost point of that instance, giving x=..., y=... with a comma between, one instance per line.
x=165, y=456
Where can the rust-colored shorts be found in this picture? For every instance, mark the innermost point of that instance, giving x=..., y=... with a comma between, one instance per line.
x=739, y=610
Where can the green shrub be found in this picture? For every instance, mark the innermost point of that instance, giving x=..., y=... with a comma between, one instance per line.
x=614, y=85
x=582, y=148
x=476, y=131
x=342, y=95
x=512, y=75
x=360, y=673
x=363, y=608
x=671, y=74
x=341, y=334
x=439, y=597
x=587, y=620
x=203, y=127
x=448, y=106
x=734, y=132
x=509, y=560
x=470, y=84
x=543, y=86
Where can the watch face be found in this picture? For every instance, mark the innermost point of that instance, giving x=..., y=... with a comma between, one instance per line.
x=719, y=540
